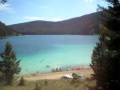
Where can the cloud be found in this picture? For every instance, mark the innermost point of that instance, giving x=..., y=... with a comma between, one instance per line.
x=34, y=18
x=102, y=2
x=57, y=19
x=7, y=8
x=40, y=18
x=89, y=1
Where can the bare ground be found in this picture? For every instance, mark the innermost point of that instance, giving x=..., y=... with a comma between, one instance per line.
x=86, y=72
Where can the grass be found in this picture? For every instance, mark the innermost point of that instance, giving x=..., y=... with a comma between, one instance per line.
x=61, y=84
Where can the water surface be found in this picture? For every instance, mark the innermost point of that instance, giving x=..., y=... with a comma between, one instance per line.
x=58, y=51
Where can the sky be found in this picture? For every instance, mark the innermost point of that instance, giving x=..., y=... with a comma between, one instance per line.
x=19, y=11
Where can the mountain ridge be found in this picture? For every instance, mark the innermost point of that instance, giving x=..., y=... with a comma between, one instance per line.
x=84, y=25
x=6, y=31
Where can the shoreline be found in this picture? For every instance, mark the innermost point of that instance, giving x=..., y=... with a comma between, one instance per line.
x=63, y=68
x=86, y=72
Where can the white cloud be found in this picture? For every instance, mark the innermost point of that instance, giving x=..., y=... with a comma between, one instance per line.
x=34, y=18
x=40, y=18
x=103, y=1
x=57, y=19
x=7, y=8
x=89, y=1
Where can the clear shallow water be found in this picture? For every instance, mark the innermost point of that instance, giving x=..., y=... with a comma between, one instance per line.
x=58, y=51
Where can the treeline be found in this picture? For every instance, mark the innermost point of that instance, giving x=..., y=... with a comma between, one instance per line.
x=85, y=25
x=6, y=31
x=106, y=54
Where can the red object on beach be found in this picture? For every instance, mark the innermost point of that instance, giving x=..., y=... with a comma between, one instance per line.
x=78, y=69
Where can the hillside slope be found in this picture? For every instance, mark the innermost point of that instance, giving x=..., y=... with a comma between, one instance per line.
x=6, y=31
x=84, y=25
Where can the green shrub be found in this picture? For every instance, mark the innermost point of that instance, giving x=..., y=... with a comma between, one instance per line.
x=22, y=82
x=76, y=81
x=37, y=87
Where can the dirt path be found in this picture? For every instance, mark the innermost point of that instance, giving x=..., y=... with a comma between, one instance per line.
x=57, y=75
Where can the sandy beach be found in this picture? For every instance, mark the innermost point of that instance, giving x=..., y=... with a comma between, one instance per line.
x=86, y=72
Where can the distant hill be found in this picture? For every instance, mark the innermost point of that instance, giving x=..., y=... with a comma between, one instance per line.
x=84, y=25
x=6, y=31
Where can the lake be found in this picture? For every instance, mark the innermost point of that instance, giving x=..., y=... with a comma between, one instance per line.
x=56, y=51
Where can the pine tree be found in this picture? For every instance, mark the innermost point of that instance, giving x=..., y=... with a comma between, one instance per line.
x=106, y=55
x=3, y=1
x=9, y=65
x=22, y=82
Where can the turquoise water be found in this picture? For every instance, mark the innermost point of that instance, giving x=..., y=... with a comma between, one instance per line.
x=58, y=51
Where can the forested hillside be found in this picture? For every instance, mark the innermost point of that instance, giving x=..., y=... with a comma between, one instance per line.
x=6, y=31
x=84, y=25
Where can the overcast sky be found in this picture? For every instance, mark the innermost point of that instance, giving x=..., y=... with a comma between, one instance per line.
x=18, y=11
